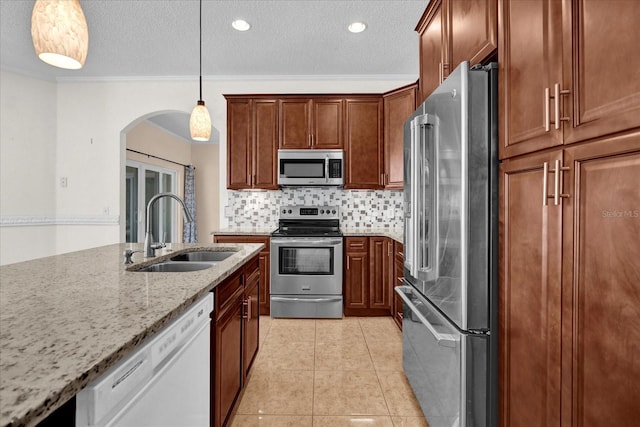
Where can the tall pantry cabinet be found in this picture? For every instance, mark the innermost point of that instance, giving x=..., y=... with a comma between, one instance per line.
x=570, y=213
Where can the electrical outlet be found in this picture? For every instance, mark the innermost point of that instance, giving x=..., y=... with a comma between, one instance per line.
x=63, y=182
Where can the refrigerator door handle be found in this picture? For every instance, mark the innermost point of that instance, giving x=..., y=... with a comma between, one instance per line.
x=445, y=340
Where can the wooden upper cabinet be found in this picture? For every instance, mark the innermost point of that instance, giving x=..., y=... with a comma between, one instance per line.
x=363, y=143
x=602, y=71
x=252, y=138
x=398, y=106
x=432, y=49
x=265, y=143
x=295, y=123
x=473, y=31
x=239, y=142
x=314, y=123
x=452, y=31
x=327, y=118
x=569, y=72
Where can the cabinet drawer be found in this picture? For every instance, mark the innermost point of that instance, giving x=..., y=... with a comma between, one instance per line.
x=357, y=243
x=227, y=292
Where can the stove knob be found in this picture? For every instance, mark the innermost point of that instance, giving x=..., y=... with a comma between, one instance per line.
x=284, y=211
x=322, y=211
x=289, y=210
x=333, y=211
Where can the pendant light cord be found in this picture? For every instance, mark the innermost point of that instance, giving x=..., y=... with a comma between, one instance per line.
x=200, y=50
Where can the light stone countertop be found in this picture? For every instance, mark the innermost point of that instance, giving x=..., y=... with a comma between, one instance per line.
x=66, y=319
x=393, y=233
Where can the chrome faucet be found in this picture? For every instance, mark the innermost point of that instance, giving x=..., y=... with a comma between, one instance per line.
x=149, y=247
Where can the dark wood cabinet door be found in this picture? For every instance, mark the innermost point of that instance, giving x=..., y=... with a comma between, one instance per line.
x=473, y=31
x=327, y=119
x=398, y=106
x=294, y=116
x=432, y=49
x=356, y=283
x=251, y=331
x=601, y=283
x=530, y=296
x=379, y=269
x=239, y=138
x=227, y=378
x=265, y=144
x=530, y=51
x=363, y=143
x=601, y=58
x=265, y=280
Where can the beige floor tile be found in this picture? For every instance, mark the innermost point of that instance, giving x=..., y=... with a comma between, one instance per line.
x=343, y=356
x=265, y=327
x=398, y=394
x=271, y=421
x=386, y=356
x=278, y=392
x=348, y=393
x=352, y=421
x=409, y=422
x=292, y=330
x=380, y=329
x=286, y=355
x=346, y=329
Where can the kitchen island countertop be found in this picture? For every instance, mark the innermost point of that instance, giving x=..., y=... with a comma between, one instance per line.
x=392, y=233
x=66, y=319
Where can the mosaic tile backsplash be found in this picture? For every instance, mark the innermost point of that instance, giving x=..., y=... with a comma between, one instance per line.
x=358, y=208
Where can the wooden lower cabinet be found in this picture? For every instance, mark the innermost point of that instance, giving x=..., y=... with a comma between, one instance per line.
x=368, y=272
x=251, y=315
x=227, y=358
x=264, y=263
x=235, y=335
x=570, y=286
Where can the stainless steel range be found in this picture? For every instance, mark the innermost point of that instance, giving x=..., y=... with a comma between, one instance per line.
x=306, y=263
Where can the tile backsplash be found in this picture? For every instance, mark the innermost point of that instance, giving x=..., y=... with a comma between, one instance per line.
x=358, y=208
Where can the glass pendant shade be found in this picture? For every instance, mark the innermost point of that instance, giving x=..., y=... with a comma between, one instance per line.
x=200, y=123
x=59, y=32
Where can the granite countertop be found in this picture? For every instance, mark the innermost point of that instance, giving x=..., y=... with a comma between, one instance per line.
x=393, y=233
x=66, y=319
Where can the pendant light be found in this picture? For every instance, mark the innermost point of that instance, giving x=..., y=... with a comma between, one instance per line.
x=200, y=121
x=59, y=32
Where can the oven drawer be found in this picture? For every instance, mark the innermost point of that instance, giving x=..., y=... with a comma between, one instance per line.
x=307, y=306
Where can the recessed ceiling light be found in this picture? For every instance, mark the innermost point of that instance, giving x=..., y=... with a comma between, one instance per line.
x=357, y=27
x=240, y=25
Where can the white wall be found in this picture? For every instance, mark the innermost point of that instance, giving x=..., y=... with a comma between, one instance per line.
x=27, y=167
x=88, y=120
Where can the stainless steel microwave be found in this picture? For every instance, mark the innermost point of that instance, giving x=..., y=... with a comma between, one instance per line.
x=298, y=168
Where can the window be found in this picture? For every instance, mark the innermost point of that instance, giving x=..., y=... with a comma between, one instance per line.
x=143, y=181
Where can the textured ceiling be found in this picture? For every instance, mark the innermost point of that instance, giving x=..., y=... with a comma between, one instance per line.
x=159, y=38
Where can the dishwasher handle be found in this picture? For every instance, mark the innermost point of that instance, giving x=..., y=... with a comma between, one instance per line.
x=445, y=340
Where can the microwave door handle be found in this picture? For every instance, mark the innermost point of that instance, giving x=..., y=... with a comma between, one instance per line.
x=445, y=340
x=326, y=169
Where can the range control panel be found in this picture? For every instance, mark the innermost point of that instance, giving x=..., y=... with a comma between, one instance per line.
x=309, y=212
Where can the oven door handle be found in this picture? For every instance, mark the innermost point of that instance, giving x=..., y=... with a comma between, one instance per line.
x=445, y=340
x=287, y=299
x=304, y=241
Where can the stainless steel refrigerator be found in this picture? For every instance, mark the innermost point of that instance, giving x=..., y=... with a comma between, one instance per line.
x=449, y=293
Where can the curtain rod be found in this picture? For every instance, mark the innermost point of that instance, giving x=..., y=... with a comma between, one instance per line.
x=156, y=157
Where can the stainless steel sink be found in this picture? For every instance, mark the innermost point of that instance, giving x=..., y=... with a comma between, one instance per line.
x=175, y=267
x=203, y=256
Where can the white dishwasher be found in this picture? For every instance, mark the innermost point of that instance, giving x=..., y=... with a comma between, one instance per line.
x=164, y=383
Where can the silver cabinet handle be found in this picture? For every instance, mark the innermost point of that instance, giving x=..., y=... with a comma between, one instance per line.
x=545, y=173
x=446, y=340
x=547, y=119
x=556, y=172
